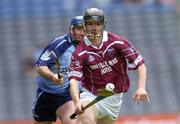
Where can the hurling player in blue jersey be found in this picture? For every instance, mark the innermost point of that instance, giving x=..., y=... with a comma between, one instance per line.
x=53, y=96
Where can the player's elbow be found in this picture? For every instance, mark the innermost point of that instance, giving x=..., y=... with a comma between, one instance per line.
x=37, y=69
x=40, y=69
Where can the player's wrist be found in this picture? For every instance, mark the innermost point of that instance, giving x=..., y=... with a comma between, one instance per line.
x=141, y=88
x=54, y=77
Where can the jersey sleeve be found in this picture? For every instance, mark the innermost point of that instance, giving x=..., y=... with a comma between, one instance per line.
x=130, y=53
x=76, y=67
x=46, y=58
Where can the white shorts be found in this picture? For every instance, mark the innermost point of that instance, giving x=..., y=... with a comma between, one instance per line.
x=109, y=106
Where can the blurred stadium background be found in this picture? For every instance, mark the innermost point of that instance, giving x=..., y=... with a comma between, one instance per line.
x=26, y=26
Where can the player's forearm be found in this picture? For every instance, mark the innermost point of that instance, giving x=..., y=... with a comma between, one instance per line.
x=142, y=75
x=45, y=72
x=74, y=91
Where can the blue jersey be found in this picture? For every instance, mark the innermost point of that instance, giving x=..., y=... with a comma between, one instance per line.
x=63, y=48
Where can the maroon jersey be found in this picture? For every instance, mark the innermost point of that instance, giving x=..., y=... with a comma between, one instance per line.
x=108, y=63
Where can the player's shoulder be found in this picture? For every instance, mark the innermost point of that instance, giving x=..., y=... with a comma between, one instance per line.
x=81, y=48
x=61, y=40
x=115, y=36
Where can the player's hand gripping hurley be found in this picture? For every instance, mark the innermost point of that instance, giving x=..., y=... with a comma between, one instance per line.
x=102, y=93
x=57, y=64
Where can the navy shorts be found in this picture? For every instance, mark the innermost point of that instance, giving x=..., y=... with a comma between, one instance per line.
x=46, y=104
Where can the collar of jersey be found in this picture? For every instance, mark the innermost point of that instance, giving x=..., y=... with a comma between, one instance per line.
x=105, y=38
x=69, y=38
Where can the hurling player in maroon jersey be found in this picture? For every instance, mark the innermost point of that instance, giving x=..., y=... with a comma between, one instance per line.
x=104, y=58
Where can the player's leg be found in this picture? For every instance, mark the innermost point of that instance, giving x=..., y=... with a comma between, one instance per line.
x=44, y=109
x=89, y=116
x=109, y=109
x=64, y=112
x=37, y=122
x=91, y=113
x=105, y=120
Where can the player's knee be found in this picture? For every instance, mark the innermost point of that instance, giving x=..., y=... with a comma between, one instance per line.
x=69, y=121
x=85, y=121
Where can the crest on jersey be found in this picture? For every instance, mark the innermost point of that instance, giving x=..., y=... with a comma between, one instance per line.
x=91, y=58
x=111, y=52
x=45, y=55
